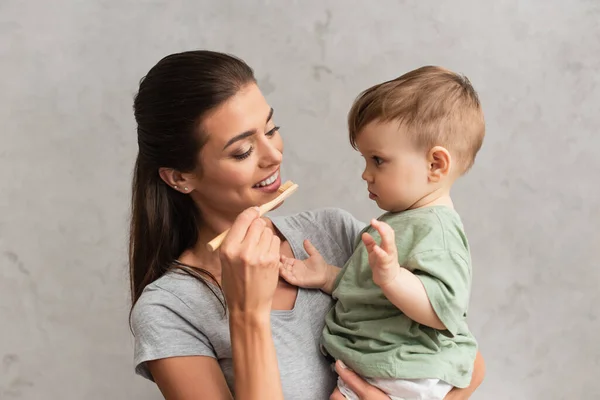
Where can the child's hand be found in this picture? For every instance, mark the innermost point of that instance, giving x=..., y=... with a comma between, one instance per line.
x=311, y=273
x=382, y=259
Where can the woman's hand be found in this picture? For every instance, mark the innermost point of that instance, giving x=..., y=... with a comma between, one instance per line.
x=363, y=390
x=250, y=272
x=476, y=379
x=250, y=264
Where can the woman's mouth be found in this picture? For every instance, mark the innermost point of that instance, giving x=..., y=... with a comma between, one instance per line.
x=269, y=184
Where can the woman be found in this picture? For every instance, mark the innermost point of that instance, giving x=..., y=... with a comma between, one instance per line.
x=208, y=152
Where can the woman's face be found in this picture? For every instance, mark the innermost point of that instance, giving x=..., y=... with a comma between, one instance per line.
x=239, y=163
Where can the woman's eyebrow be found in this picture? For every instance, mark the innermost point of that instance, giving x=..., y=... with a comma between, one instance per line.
x=246, y=134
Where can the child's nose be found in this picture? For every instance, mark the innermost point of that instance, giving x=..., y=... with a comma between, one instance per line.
x=367, y=176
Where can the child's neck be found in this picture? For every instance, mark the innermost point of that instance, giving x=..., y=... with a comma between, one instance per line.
x=436, y=198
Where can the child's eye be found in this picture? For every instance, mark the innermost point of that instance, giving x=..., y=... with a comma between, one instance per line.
x=378, y=161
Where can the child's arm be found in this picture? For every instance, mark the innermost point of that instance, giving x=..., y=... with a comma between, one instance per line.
x=401, y=287
x=312, y=273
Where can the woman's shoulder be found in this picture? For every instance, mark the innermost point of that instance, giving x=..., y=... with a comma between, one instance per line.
x=175, y=293
x=321, y=218
x=173, y=318
x=332, y=231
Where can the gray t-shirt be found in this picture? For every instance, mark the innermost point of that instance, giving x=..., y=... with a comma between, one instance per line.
x=178, y=316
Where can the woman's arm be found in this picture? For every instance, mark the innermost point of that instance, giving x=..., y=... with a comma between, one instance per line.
x=250, y=272
x=254, y=358
x=249, y=260
x=190, y=378
x=200, y=377
x=476, y=379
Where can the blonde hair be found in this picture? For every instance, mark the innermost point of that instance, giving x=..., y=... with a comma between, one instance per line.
x=437, y=106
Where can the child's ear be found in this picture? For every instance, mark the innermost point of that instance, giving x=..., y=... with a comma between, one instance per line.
x=439, y=160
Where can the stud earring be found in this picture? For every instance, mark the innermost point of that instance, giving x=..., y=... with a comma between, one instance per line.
x=175, y=187
x=186, y=189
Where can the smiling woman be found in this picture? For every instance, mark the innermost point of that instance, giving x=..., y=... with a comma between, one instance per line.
x=241, y=148
x=209, y=153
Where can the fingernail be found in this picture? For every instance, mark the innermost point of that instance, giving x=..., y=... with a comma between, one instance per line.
x=342, y=364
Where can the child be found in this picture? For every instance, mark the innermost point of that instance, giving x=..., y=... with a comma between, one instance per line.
x=401, y=305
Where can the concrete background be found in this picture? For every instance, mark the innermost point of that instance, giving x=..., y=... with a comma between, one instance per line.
x=68, y=72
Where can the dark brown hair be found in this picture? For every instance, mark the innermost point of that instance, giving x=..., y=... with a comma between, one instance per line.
x=172, y=100
x=437, y=106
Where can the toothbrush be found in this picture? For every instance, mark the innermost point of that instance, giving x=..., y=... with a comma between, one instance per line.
x=284, y=190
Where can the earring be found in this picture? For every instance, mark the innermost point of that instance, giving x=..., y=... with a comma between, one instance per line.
x=185, y=188
x=175, y=187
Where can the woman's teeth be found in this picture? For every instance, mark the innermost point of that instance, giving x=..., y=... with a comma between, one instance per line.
x=268, y=181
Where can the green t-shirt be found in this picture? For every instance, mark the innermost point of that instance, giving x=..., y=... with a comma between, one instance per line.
x=374, y=338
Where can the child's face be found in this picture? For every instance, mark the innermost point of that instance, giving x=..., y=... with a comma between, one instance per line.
x=396, y=172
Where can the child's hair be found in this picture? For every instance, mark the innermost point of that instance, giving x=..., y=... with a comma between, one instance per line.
x=438, y=108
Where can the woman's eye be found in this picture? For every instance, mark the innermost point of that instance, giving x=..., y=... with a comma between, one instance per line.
x=243, y=155
x=273, y=131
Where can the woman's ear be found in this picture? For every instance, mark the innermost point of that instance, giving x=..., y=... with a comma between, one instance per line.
x=439, y=163
x=175, y=179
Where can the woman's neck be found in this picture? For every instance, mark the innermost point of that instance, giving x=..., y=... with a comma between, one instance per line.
x=213, y=224
x=199, y=256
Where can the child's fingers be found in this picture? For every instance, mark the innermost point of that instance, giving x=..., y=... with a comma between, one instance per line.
x=310, y=249
x=286, y=272
x=380, y=253
x=373, y=248
x=286, y=261
x=368, y=241
x=388, y=238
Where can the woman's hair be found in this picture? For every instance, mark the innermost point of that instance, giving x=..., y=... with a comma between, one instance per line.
x=172, y=100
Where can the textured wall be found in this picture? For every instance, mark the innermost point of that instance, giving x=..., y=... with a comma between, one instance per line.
x=69, y=70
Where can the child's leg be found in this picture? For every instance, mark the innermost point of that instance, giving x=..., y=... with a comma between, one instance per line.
x=412, y=389
x=403, y=389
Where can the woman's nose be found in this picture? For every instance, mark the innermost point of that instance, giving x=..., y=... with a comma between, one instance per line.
x=270, y=153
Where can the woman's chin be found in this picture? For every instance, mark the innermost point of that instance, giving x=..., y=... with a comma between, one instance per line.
x=277, y=206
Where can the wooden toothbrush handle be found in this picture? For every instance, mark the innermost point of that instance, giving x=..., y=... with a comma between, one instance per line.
x=265, y=208
x=216, y=242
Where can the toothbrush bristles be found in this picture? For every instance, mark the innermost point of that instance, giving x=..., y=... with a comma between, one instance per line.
x=285, y=186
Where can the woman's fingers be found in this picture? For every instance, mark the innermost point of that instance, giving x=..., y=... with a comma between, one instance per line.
x=275, y=247
x=238, y=230
x=337, y=395
x=358, y=385
x=254, y=234
x=354, y=382
x=263, y=245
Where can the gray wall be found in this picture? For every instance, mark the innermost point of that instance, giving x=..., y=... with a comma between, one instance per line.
x=69, y=70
